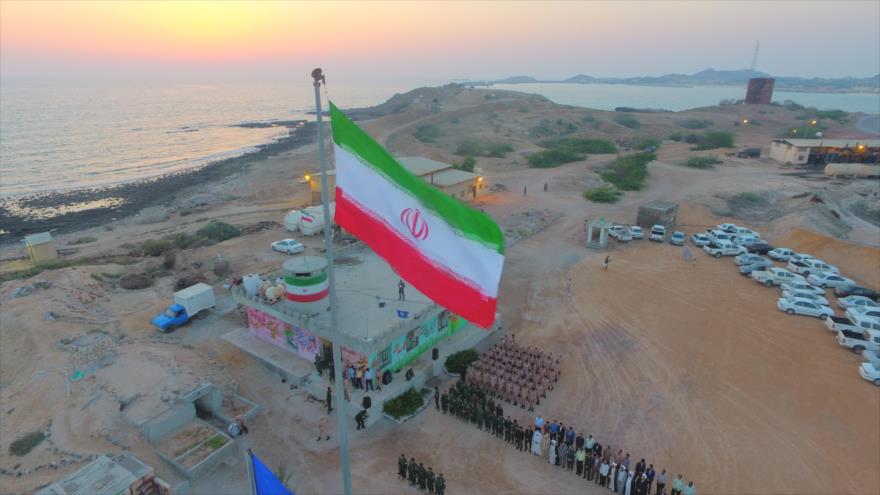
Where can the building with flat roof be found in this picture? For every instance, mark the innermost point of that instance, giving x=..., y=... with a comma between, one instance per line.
x=823, y=151
x=452, y=181
x=41, y=247
x=375, y=328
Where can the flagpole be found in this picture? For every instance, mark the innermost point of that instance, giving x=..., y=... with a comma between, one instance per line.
x=341, y=419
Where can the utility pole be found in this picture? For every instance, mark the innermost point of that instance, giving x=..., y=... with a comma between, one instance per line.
x=755, y=55
x=341, y=405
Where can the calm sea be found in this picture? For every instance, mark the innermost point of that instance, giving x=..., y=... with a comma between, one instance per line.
x=69, y=137
x=63, y=137
x=609, y=96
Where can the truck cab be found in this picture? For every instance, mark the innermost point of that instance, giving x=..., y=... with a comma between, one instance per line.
x=658, y=233
x=173, y=317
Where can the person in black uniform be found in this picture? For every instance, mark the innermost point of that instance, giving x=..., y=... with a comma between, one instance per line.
x=440, y=485
x=401, y=467
x=437, y=398
x=361, y=419
x=431, y=479
x=423, y=476
x=411, y=470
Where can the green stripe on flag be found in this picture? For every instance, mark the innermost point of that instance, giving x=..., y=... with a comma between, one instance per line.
x=466, y=221
x=305, y=282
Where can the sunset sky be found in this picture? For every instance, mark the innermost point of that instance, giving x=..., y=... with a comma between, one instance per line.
x=437, y=41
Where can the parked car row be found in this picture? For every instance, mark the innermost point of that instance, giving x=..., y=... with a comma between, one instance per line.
x=803, y=283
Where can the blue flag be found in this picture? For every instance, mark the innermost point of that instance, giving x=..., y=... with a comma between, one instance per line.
x=403, y=314
x=265, y=481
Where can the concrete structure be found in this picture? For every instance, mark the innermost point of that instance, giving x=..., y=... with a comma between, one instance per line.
x=105, y=476
x=375, y=329
x=314, y=181
x=305, y=280
x=41, y=247
x=760, y=90
x=456, y=183
x=824, y=151
x=597, y=234
x=657, y=213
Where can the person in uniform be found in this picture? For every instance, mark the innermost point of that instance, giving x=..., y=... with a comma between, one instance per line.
x=440, y=485
x=430, y=479
x=411, y=470
x=423, y=477
x=401, y=467
x=444, y=403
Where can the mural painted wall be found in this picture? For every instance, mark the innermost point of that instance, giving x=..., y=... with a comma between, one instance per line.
x=288, y=337
x=405, y=349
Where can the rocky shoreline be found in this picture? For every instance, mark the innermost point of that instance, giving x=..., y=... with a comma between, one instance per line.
x=21, y=216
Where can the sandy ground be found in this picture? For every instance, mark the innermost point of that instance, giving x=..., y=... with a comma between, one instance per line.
x=692, y=368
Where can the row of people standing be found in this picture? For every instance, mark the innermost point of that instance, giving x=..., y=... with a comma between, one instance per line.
x=419, y=476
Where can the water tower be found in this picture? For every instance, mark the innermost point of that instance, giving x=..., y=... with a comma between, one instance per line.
x=306, y=284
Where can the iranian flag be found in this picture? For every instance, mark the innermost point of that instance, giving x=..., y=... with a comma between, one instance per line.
x=451, y=253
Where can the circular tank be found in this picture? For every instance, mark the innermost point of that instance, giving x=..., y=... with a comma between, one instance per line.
x=251, y=283
x=306, y=284
x=853, y=169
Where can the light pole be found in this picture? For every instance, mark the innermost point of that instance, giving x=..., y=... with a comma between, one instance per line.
x=341, y=406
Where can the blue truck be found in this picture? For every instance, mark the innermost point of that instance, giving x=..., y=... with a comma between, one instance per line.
x=188, y=303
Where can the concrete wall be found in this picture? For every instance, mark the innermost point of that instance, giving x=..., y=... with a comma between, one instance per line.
x=169, y=421
x=43, y=252
x=654, y=216
x=465, y=190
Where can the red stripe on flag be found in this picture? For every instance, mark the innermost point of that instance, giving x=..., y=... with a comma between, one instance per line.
x=439, y=284
x=308, y=297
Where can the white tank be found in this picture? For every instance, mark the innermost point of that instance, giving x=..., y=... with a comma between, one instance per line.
x=291, y=220
x=251, y=283
x=852, y=169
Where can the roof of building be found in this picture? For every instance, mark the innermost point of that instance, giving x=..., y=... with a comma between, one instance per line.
x=451, y=177
x=421, y=165
x=36, y=239
x=831, y=143
x=659, y=205
x=103, y=476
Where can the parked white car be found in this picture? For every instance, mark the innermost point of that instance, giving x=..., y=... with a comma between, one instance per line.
x=699, y=240
x=775, y=276
x=719, y=235
x=801, y=294
x=747, y=259
x=871, y=372
x=637, y=232
x=730, y=228
x=868, y=340
x=742, y=231
x=856, y=302
x=620, y=232
x=658, y=233
x=289, y=246
x=802, y=286
x=862, y=312
x=828, y=280
x=677, y=238
x=723, y=248
x=800, y=257
x=872, y=357
x=746, y=240
x=780, y=254
x=804, y=307
x=806, y=267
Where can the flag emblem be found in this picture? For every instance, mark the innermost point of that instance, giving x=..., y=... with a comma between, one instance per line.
x=415, y=222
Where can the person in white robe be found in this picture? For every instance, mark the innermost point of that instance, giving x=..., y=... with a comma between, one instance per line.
x=536, y=443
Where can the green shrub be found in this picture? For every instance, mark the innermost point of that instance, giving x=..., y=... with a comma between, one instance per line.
x=83, y=240
x=580, y=145
x=702, y=162
x=427, y=133
x=602, y=194
x=628, y=173
x=838, y=115
x=695, y=123
x=405, y=404
x=215, y=442
x=589, y=119
x=155, y=247
x=648, y=143
x=26, y=443
x=547, y=129
x=552, y=158
x=714, y=140
x=467, y=165
x=458, y=362
x=498, y=150
x=469, y=148
x=218, y=231
x=627, y=120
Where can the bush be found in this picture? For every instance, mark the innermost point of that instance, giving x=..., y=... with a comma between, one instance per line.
x=547, y=129
x=695, y=123
x=838, y=115
x=469, y=148
x=498, y=150
x=714, y=140
x=457, y=363
x=170, y=260
x=602, y=194
x=427, y=133
x=135, y=281
x=580, y=145
x=405, y=404
x=552, y=158
x=628, y=173
x=627, y=120
x=702, y=162
x=218, y=231
x=648, y=143
x=468, y=164
x=189, y=280
x=26, y=443
x=83, y=240
x=155, y=247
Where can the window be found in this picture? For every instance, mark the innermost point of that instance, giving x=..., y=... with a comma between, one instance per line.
x=412, y=339
x=384, y=358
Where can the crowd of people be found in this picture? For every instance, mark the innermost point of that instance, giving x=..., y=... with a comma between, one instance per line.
x=418, y=476
x=515, y=374
x=561, y=445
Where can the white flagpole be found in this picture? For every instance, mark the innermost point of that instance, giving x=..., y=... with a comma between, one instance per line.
x=341, y=419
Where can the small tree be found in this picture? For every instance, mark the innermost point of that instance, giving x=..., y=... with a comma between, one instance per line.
x=467, y=165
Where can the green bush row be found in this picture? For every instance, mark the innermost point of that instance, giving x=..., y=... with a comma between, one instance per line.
x=702, y=162
x=603, y=194
x=580, y=145
x=458, y=362
x=405, y=404
x=628, y=173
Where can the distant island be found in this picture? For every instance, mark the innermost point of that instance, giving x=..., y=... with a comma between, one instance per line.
x=711, y=77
